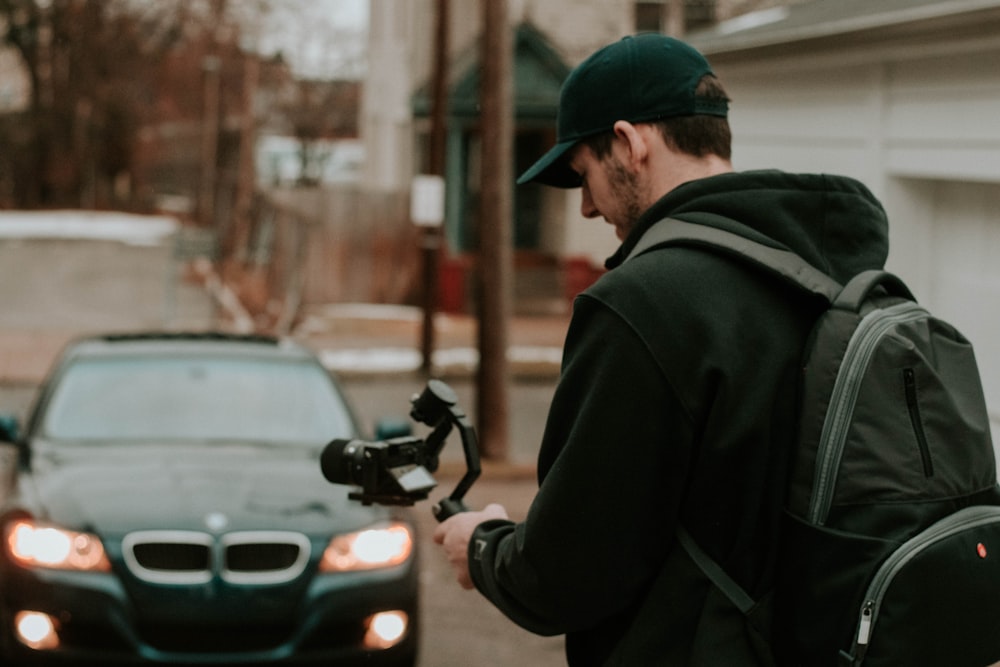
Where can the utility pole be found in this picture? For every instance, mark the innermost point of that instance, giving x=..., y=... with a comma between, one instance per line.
x=674, y=19
x=496, y=133
x=432, y=236
x=246, y=173
x=209, y=140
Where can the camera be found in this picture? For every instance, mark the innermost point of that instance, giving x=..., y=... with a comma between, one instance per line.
x=398, y=471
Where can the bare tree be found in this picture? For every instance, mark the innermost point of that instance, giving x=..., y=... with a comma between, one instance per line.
x=100, y=72
x=87, y=62
x=315, y=112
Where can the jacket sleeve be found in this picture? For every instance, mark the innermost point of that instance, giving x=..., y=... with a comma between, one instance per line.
x=613, y=458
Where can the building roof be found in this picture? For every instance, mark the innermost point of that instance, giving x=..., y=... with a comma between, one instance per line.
x=821, y=19
x=538, y=70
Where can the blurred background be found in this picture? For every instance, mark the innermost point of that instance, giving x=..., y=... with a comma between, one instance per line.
x=310, y=153
x=342, y=171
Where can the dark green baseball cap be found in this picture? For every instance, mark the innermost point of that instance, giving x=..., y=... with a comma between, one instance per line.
x=638, y=79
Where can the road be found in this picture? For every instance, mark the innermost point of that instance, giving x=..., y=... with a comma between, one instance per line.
x=460, y=628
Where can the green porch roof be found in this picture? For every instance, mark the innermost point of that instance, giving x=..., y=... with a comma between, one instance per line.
x=538, y=75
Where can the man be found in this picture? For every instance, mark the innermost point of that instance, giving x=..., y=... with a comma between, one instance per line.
x=676, y=403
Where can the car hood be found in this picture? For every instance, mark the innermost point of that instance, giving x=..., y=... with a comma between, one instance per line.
x=117, y=489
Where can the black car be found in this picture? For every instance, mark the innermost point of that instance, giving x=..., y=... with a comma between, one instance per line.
x=168, y=506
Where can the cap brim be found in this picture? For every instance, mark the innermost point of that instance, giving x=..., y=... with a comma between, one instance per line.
x=553, y=169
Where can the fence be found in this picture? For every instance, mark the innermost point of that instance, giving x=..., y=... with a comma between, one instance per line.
x=310, y=246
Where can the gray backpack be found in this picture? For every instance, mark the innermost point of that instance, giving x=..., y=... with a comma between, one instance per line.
x=891, y=543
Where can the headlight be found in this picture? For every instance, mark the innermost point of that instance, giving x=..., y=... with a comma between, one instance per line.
x=32, y=544
x=368, y=549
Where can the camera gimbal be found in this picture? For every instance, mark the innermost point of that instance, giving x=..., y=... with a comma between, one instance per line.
x=398, y=471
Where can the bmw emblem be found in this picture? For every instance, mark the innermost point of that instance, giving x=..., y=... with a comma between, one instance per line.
x=216, y=521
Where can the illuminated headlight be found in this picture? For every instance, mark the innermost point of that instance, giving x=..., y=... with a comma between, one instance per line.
x=32, y=544
x=368, y=549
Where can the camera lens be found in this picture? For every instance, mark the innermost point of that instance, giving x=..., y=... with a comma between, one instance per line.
x=341, y=461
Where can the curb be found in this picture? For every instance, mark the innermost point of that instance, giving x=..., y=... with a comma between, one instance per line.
x=525, y=362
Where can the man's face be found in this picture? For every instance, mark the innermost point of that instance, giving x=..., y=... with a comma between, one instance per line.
x=609, y=189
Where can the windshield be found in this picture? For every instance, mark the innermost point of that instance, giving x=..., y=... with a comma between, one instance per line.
x=200, y=398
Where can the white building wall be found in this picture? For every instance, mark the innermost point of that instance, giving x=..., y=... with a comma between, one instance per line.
x=593, y=239
x=820, y=118
x=943, y=116
x=386, y=118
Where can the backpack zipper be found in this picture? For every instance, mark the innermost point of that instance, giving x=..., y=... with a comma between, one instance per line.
x=913, y=407
x=860, y=349
x=970, y=517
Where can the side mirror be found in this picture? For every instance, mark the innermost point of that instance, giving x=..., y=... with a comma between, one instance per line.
x=10, y=429
x=387, y=428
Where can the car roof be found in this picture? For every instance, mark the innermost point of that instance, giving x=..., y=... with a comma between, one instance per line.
x=169, y=343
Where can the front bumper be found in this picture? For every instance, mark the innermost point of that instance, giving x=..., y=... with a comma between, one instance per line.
x=107, y=619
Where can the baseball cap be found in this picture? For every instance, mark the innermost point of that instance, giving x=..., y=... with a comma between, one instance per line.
x=639, y=78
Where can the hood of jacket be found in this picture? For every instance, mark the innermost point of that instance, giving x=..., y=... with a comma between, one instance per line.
x=833, y=222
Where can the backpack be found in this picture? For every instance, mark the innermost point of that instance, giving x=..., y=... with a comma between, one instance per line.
x=890, y=547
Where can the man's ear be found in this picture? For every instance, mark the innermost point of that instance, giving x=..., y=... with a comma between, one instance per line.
x=632, y=142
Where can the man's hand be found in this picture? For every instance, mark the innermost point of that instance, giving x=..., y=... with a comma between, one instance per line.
x=454, y=535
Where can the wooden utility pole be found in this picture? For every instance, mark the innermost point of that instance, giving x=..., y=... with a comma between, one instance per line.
x=209, y=140
x=496, y=133
x=431, y=237
x=246, y=173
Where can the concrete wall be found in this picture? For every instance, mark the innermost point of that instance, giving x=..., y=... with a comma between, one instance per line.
x=79, y=272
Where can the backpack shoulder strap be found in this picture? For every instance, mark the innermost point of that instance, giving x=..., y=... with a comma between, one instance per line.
x=782, y=263
x=711, y=569
x=857, y=290
x=757, y=614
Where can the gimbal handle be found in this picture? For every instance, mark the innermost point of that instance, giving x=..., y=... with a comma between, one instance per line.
x=437, y=406
x=447, y=508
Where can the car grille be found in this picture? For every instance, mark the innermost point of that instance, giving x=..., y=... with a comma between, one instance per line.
x=193, y=557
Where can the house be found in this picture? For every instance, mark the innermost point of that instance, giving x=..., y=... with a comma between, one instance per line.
x=556, y=251
x=905, y=96
x=395, y=122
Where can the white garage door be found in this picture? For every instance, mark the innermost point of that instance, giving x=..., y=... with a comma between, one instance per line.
x=963, y=272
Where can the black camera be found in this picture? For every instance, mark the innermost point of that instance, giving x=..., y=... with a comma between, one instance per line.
x=398, y=471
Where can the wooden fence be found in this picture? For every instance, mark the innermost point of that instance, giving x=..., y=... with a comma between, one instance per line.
x=309, y=246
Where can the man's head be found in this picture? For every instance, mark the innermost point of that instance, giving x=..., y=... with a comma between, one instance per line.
x=647, y=78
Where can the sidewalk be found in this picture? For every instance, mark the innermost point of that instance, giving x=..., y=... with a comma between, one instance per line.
x=371, y=339
x=352, y=340
x=25, y=356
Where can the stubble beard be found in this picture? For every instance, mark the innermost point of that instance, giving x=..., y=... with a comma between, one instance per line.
x=625, y=187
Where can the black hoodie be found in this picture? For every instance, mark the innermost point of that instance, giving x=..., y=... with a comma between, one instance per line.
x=676, y=403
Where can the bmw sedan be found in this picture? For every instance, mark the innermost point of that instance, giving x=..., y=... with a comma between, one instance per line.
x=167, y=506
